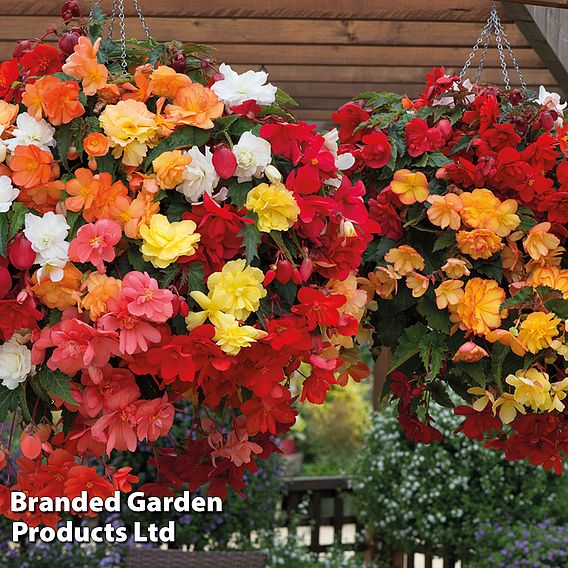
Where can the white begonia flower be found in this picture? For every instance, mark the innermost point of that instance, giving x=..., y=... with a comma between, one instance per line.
x=342, y=161
x=47, y=236
x=31, y=131
x=235, y=89
x=7, y=194
x=552, y=102
x=199, y=176
x=272, y=173
x=253, y=155
x=3, y=150
x=52, y=267
x=15, y=363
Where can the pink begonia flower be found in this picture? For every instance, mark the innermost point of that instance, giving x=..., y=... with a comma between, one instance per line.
x=78, y=345
x=95, y=396
x=155, y=418
x=135, y=334
x=117, y=427
x=238, y=449
x=144, y=297
x=95, y=243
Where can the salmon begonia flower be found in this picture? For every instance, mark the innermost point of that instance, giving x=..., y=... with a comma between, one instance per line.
x=31, y=166
x=444, y=210
x=95, y=243
x=405, y=259
x=195, y=105
x=83, y=65
x=96, y=144
x=166, y=82
x=540, y=241
x=410, y=187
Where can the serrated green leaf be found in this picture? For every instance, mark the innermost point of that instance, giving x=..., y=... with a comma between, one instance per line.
x=437, y=160
x=463, y=143
x=491, y=268
x=444, y=241
x=408, y=345
x=195, y=277
x=525, y=294
x=223, y=123
x=238, y=193
x=183, y=137
x=8, y=401
x=559, y=306
x=251, y=240
x=3, y=233
x=283, y=98
x=17, y=217
x=432, y=348
x=440, y=394
x=56, y=384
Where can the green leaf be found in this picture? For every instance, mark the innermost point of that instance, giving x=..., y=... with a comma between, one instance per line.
x=440, y=394
x=436, y=319
x=408, y=345
x=238, y=193
x=559, y=306
x=63, y=137
x=524, y=295
x=222, y=124
x=444, y=241
x=462, y=144
x=136, y=260
x=169, y=274
x=176, y=209
x=474, y=370
x=196, y=278
x=17, y=217
x=56, y=384
x=182, y=137
x=8, y=401
x=251, y=240
x=3, y=233
x=491, y=268
x=378, y=248
x=437, y=160
x=432, y=349
x=283, y=99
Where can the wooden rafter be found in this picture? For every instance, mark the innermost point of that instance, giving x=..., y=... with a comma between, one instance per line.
x=546, y=29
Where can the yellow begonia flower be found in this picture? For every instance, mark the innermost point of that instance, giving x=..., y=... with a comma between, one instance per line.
x=448, y=293
x=482, y=210
x=479, y=243
x=275, y=206
x=410, y=187
x=164, y=242
x=456, y=268
x=232, y=337
x=444, y=210
x=560, y=348
x=540, y=242
x=131, y=128
x=210, y=310
x=559, y=390
x=532, y=388
x=551, y=276
x=508, y=408
x=418, y=283
x=479, y=310
x=538, y=330
x=237, y=289
x=485, y=397
x=405, y=259
x=505, y=337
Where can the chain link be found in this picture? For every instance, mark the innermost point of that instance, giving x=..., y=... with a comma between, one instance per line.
x=494, y=27
x=118, y=10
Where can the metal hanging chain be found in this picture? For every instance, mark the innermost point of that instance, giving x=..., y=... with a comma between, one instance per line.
x=118, y=10
x=494, y=27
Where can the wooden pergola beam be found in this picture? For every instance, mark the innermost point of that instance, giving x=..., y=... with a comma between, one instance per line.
x=546, y=29
x=546, y=3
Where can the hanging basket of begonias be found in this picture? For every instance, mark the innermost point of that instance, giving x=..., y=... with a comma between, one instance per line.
x=467, y=275
x=168, y=233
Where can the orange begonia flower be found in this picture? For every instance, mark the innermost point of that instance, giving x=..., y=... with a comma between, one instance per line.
x=166, y=82
x=61, y=295
x=195, y=105
x=42, y=198
x=96, y=144
x=61, y=103
x=8, y=114
x=31, y=166
x=140, y=91
x=82, y=191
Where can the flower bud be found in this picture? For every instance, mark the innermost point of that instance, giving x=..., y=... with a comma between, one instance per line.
x=269, y=277
x=72, y=153
x=306, y=269
x=224, y=161
x=272, y=174
x=20, y=252
x=283, y=271
x=296, y=277
x=347, y=229
x=67, y=42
